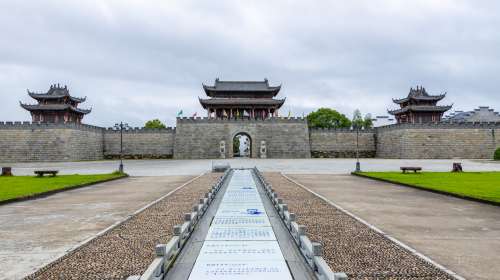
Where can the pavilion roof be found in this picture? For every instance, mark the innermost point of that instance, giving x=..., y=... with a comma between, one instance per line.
x=56, y=92
x=420, y=108
x=55, y=107
x=419, y=94
x=242, y=87
x=232, y=102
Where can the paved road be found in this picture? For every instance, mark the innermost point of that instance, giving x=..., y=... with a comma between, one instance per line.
x=291, y=166
x=462, y=235
x=35, y=232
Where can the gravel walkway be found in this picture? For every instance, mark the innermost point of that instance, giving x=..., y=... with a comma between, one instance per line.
x=350, y=246
x=129, y=248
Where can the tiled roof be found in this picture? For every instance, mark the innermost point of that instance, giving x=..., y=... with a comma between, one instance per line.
x=54, y=107
x=415, y=108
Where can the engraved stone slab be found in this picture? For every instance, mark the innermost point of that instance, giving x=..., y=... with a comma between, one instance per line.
x=241, y=197
x=240, y=251
x=241, y=221
x=250, y=270
x=240, y=233
x=239, y=210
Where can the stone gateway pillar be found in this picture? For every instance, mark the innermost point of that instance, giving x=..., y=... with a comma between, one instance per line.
x=263, y=149
x=222, y=149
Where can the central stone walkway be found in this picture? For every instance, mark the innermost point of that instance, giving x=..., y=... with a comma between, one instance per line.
x=240, y=243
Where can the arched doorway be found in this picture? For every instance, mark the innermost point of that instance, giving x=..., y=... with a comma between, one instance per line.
x=242, y=145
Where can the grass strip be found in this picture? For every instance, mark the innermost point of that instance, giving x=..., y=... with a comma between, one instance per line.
x=19, y=187
x=476, y=185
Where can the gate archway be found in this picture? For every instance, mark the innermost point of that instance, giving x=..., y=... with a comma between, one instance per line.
x=242, y=145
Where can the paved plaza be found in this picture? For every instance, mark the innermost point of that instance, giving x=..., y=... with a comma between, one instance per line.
x=459, y=234
x=35, y=232
x=289, y=166
x=462, y=235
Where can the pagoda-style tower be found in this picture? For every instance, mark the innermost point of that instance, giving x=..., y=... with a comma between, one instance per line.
x=56, y=106
x=419, y=107
x=241, y=99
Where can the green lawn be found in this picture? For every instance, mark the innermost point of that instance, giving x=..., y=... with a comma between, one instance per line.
x=22, y=186
x=482, y=185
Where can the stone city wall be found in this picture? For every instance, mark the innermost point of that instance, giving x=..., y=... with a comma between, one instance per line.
x=139, y=143
x=27, y=142
x=438, y=141
x=284, y=138
x=201, y=137
x=341, y=143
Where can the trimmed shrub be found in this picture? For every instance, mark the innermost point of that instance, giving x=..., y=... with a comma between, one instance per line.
x=496, y=156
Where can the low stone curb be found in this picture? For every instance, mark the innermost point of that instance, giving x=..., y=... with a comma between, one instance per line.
x=429, y=190
x=52, y=192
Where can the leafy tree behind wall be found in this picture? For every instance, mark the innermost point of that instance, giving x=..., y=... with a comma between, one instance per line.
x=368, y=122
x=357, y=119
x=327, y=118
x=359, y=122
x=156, y=123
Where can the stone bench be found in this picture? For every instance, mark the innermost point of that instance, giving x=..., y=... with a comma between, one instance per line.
x=41, y=173
x=410, y=168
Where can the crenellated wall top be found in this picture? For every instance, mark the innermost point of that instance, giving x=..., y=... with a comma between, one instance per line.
x=343, y=130
x=31, y=125
x=268, y=120
x=442, y=125
x=142, y=130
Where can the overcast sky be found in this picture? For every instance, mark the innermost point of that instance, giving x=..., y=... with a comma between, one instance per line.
x=139, y=60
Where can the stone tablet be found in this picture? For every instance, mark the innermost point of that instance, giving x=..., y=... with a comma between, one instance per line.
x=241, y=196
x=250, y=270
x=240, y=251
x=219, y=233
x=241, y=210
x=241, y=221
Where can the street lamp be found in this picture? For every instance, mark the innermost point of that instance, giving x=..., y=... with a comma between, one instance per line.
x=121, y=126
x=358, y=164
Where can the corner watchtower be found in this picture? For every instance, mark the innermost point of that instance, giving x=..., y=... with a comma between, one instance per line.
x=56, y=106
x=419, y=107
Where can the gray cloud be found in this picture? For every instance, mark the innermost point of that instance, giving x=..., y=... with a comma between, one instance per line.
x=138, y=60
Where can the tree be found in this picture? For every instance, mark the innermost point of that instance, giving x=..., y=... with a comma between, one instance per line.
x=156, y=123
x=357, y=120
x=327, y=118
x=368, y=122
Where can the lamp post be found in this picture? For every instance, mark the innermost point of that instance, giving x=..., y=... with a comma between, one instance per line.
x=121, y=126
x=358, y=164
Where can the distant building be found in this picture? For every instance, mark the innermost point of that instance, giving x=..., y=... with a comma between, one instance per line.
x=56, y=106
x=419, y=107
x=241, y=99
x=481, y=114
